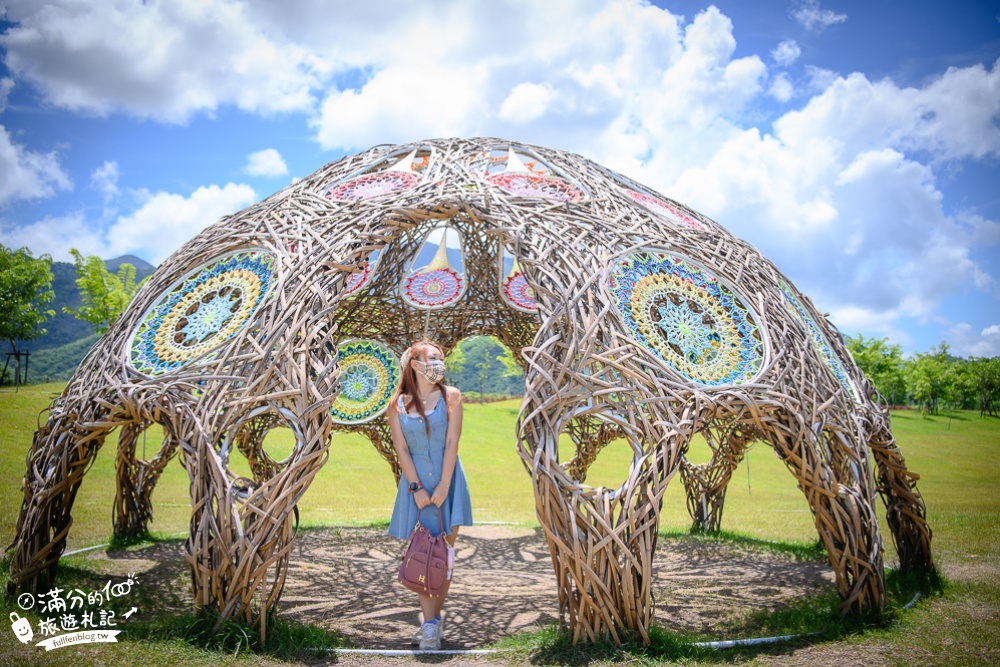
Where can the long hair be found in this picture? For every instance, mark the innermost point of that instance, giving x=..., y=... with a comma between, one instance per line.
x=408, y=385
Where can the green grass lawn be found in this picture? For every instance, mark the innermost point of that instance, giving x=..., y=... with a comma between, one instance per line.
x=956, y=455
x=762, y=501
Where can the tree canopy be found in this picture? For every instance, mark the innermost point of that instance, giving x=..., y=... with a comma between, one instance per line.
x=25, y=291
x=484, y=365
x=929, y=380
x=105, y=295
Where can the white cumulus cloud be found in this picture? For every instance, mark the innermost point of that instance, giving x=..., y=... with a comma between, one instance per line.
x=162, y=222
x=104, y=179
x=6, y=85
x=26, y=174
x=781, y=88
x=526, y=102
x=165, y=60
x=166, y=220
x=966, y=342
x=267, y=162
x=786, y=53
x=812, y=16
x=838, y=179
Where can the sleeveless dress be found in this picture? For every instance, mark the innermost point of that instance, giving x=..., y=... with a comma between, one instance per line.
x=428, y=458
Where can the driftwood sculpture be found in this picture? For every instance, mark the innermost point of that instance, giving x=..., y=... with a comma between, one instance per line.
x=634, y=318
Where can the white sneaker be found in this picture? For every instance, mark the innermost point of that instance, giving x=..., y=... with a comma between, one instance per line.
x=431, y=639
x=419, y=634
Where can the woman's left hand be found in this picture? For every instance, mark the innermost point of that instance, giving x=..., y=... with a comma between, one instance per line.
x=440, y=495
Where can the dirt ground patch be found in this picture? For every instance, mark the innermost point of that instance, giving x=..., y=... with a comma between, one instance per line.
x=344, y=579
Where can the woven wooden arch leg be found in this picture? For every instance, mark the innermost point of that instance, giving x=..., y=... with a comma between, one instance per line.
x=136, y=478
x=601, y=541
x=705, y=484
x=602, y=544
x=905, y=511
x=840, y=498
x=62, y=451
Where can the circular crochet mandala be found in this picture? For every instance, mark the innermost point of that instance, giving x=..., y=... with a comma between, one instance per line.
x=368, y=186
x=206, y=308
x=688, y=318
x=369, y=375
x=664, y=210
x=433, y=288
x=819, y=341
x=532, y=185
x=519, y=293
x=357, y=280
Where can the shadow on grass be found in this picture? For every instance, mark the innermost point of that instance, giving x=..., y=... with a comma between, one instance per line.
x=799, y=551
x=809, y=620
x=176, y=621
x=206, y=630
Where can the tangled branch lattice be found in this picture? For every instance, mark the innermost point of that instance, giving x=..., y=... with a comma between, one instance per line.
x=634, y=317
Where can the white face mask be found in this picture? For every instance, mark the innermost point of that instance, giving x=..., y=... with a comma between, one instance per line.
x=434, y=370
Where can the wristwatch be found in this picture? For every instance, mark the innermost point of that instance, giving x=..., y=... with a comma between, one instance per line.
x=415, y=486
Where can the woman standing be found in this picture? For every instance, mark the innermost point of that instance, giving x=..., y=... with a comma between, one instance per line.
x=425, y=418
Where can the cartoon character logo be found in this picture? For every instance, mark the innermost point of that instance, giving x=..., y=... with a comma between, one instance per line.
x=21, y=627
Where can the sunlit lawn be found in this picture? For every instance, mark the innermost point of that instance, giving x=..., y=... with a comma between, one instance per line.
x=956, y=457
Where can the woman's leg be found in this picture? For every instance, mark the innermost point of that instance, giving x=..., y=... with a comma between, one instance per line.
x=439, y=601
x=429, y=606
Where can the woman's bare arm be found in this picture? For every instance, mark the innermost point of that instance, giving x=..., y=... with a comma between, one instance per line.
x=421, y=497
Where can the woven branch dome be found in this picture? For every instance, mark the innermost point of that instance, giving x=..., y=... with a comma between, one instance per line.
x=633, y=317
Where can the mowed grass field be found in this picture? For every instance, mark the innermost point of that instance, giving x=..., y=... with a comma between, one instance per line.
x=956, y=454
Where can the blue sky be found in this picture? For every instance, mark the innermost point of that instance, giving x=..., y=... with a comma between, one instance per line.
x=856, y=144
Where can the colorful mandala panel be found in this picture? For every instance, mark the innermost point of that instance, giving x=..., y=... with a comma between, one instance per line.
x=357, y=280
x=368, y=186
x=819, y=341
x=369, y=376
x=519, y=293
x=433, y=288
x=209, y=306
x=525, y=184
x=664, y=210
x=688, y=318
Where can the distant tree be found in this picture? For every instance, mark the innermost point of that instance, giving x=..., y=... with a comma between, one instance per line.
x=882, y=363
x=929, y=378
x=105, y=295
x=964, y=392
x=25, y=291
x=987, y=372
x=456, y=363
x=511, y=368
x=483, y=362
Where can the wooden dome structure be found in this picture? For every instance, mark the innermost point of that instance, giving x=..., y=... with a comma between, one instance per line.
x=633, y=316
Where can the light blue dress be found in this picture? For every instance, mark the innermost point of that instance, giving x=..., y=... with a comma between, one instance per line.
x=427, y=453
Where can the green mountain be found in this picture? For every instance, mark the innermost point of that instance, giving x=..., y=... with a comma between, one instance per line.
x=64, y=328
x=56, y=354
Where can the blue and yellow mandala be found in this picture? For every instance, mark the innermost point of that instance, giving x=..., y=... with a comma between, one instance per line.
x=688, y=318
x=207, y=308
x=369, y=375
x=819, y=341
